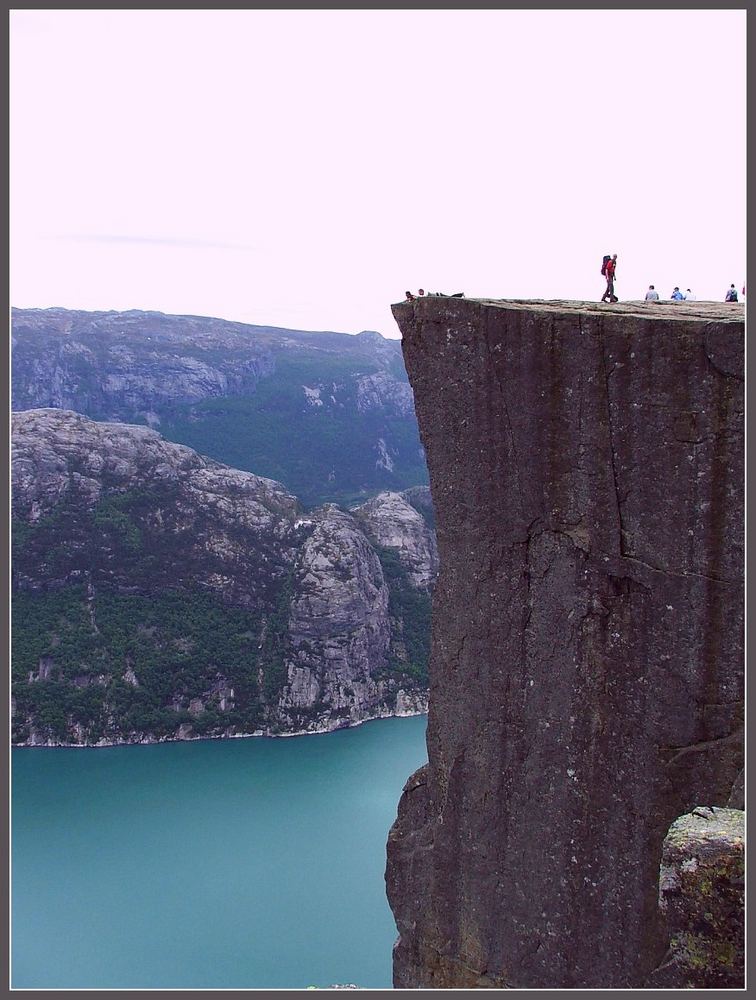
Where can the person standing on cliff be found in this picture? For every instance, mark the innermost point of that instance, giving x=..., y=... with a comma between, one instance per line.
x=611, y=270
x=652, y=295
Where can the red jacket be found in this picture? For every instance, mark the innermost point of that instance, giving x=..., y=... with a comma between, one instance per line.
x=610, y=268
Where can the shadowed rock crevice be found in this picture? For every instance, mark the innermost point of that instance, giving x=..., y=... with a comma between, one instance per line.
x=586, y=657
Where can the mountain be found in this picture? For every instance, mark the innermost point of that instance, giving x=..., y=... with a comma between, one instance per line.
x=329, y=415
x=158, y=593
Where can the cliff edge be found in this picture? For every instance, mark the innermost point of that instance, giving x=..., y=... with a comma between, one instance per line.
x=586, y=468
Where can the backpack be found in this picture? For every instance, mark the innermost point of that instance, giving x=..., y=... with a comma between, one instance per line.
x=607, y=258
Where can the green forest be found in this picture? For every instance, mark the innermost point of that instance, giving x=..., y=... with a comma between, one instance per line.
x=320, y=453
x=111, y=638
x=176, y=644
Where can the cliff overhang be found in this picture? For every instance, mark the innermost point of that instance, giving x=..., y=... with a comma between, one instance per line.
x=586, y=466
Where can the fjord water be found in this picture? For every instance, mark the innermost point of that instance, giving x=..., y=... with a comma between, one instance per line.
x=212, y=864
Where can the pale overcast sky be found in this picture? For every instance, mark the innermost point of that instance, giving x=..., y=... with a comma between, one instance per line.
x=303, y=169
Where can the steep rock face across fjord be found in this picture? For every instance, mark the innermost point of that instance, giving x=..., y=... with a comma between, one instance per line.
x=159, y=594
x=586, y=686
x=329, y=415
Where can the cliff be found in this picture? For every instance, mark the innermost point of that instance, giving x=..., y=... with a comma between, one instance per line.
x=159, y=594
x=586, y=685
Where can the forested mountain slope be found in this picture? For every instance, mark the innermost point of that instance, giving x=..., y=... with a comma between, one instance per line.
x=329, y=415
x=159, y=593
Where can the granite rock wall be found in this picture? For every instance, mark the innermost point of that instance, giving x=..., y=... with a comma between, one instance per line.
x=586, y=469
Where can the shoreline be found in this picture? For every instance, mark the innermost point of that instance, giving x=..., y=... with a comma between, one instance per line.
x=258, y=733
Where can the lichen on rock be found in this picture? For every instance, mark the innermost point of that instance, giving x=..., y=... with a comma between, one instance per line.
x=701, y=894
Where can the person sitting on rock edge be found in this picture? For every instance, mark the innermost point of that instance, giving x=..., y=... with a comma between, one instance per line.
x=732, y=294
x=677, y=295
x=652, y=295
x=409, y=296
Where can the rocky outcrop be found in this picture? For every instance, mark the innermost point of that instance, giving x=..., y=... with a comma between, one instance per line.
x=701, y=895
x=338, y=621
x=586, y=686
x=393, y=522
x=221, y=523
x=131, y=553
x=383, y=391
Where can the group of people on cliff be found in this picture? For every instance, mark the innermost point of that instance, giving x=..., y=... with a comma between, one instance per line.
x=421, y=293
x=677, y=296
x=687, y=296
x=609, y=270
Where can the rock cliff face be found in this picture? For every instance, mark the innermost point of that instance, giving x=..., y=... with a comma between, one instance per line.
x=338, y=619
x=391, y=521
x=586, y=687
x=160, y=594
x=225, y=522
x=126, y=365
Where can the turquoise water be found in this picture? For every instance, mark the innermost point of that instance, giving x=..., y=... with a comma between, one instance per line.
x=214, y=864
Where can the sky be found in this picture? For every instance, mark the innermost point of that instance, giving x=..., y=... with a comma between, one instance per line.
x=304, y=168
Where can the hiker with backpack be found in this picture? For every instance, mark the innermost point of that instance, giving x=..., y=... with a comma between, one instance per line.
x=609, y=269
x=732, y=294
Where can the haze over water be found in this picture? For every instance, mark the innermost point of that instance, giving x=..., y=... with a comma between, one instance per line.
x=214, y=864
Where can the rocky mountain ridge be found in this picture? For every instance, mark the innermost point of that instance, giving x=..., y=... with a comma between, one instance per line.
x=160, y=594
x=330, y=415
